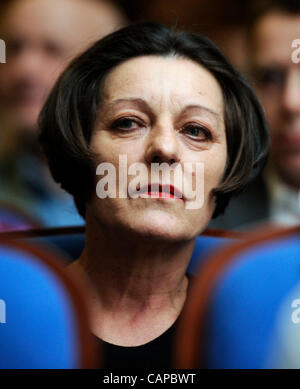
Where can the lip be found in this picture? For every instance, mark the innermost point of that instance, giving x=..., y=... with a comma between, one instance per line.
x=165, y=191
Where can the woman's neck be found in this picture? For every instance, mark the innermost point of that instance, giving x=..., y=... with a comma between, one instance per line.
x=133, y=282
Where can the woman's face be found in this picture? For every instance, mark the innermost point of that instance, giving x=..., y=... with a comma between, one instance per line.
x=159, y=110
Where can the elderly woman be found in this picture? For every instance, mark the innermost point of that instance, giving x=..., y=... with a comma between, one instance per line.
x=150, y=95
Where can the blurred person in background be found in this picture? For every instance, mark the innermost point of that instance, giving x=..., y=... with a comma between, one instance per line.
x=274, y=197
x=41, y=37
x=224, y=25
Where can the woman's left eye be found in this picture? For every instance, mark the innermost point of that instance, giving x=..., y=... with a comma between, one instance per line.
x=197, y=132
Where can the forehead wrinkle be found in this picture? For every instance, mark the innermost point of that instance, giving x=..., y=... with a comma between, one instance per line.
x=133, y=101
x=152, y=97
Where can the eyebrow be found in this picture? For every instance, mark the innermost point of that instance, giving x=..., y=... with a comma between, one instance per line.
x=145, y=106
x=203, y=108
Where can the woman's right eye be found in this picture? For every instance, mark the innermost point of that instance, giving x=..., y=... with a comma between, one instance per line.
x=126, y=124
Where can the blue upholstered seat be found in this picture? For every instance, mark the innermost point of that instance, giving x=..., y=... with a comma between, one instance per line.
x=206, y=245
x=245, y=308
x=39, y=325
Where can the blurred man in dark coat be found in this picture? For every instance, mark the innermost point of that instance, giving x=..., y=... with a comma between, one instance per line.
x=274, y=70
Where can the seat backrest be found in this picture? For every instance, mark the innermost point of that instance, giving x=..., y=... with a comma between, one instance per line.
x=230, y=318
x=70, y=242
x=207, y=243
x=12, y=219
x=43, y=317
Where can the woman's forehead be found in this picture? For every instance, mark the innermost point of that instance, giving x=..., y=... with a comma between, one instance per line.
x=166, y=79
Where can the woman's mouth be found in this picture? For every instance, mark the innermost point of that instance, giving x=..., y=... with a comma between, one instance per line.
x=161, y=191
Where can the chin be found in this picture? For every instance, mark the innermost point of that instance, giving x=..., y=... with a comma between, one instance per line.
x=162, y=227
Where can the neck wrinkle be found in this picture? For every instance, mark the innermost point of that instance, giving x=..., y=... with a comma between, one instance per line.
x=134, y=276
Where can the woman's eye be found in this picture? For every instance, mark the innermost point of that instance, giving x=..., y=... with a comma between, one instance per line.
x=197, y=132
x=126, y=124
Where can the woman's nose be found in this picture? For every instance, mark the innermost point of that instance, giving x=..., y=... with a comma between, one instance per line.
x=163, y=145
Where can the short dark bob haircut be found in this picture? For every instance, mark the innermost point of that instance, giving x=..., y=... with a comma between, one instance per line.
x=68, y=117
